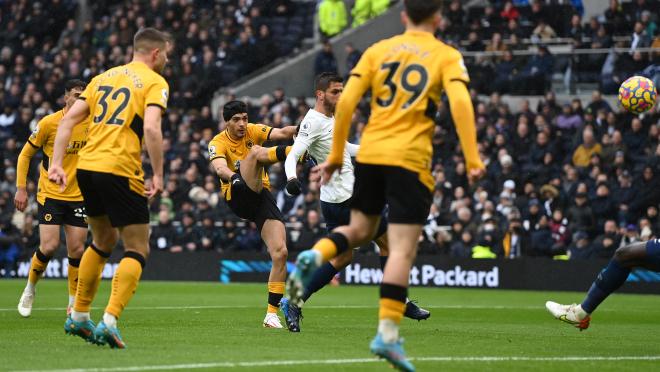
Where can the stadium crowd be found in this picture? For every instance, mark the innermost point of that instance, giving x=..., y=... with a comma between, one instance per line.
x=578, y=177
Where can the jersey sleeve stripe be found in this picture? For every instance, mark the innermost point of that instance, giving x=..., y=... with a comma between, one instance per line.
x=460, y=80
x=32, y=144
x=158, y=105
x=269, y=132
x=217, y=156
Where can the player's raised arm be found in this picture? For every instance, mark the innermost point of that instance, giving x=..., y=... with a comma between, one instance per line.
x=281, y=134
x=153, y=139
x=76, y=114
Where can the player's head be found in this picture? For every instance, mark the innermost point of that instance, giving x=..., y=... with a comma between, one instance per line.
x=417, y=12
x=328, y=87
x=152, y=46
x=236, y=117
x=72, y=90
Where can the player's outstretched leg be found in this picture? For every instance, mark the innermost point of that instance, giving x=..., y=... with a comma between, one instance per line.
x=646, y=255
x=310, y=260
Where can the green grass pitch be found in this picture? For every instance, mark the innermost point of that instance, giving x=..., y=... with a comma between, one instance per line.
x=209, y=326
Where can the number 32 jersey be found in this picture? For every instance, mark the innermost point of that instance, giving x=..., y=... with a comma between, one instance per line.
x=406, y=74
x=117, y=101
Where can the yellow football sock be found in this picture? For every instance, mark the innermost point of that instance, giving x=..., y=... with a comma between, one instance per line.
x=72, y=275
x=391, y=309
x=37, y=267
x=125, y=282
x=327, y=248
x=89, y=277
x=275, y=293
x=278, y=153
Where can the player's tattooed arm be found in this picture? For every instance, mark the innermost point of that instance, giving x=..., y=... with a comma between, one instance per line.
x=221, y=169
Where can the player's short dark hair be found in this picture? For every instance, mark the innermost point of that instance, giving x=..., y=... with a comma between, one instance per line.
x=325, y=79
x=232, y=108
x=420, y=10
x=74, y=83
x=149, y=38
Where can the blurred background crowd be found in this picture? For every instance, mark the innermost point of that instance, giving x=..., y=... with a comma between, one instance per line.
x=575, y=178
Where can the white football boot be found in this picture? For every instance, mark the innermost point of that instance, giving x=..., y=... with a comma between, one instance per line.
x=272, y=321
x=25, y=303
x=571, y=314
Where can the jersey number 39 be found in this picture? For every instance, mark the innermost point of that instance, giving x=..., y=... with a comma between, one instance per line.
x=414, y=87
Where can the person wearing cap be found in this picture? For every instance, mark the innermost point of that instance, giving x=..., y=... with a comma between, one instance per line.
x=581, y=248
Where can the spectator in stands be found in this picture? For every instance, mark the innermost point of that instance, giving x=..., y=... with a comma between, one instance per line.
x=463, y=247
x=361, y=12
x=516, y=242
x=332, y=17
x=535, y=76
x=496, y=45
x=249, y=239
x=639, y=37
x=325, y=60
x=581, y=248
x=352, y=57
x=615, y=18
x=311, y=231
x=543, y=32
x=607, y=242
x=541, y=239
x=455, y=14
x=582, y=154
x=580, y=216
x=509, y=12
x=163, y=234
x=603, y=206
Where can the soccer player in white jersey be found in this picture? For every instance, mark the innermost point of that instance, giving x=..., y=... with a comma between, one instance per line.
x=315, y=138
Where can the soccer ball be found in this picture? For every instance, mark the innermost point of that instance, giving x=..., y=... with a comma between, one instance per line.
x=637, y=94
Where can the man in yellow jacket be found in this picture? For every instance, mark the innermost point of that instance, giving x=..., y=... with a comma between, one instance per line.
x=332, y=17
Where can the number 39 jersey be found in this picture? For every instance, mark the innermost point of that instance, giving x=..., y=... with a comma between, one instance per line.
x=117, y=101
x=406, y=74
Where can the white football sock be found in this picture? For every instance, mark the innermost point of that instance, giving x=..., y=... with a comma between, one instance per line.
x=110, y=320
x=79, y=316
x=388, y=330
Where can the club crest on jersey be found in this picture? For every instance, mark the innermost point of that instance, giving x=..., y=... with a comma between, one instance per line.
x=249, y=144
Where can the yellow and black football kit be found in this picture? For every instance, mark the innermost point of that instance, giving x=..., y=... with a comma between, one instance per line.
x=110, y=171
x=407, y=75
x=243, y=201
x=55, y=207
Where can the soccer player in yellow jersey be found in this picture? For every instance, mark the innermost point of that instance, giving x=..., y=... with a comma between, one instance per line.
x=125, y=104
x=407, y=75
x=238, y=158
x=56, y=208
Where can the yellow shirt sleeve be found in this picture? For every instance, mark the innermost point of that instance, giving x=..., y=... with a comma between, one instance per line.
x=157, y=94
x=358, y=83
x=23, y=163
x=216, y=150
x=260, y=132
x=454, y=80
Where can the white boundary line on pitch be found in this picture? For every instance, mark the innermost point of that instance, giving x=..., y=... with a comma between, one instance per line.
x=275, y=363
x=337, y=307
x=458, y=307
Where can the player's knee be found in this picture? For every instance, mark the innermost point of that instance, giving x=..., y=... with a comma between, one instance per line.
x=361, y=236
x=279, y=253
x=76, y=249
x=629, y=252
x=49, y=246
x=255, y=151
x=107, y=241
